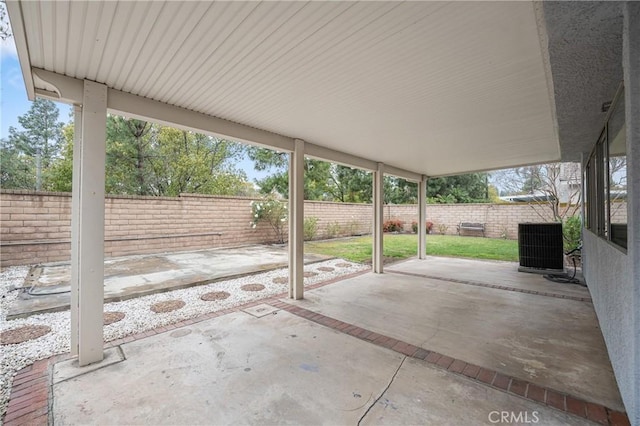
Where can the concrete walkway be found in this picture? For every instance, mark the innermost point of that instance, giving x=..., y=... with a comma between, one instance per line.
x=373, y=349
x=135, y=276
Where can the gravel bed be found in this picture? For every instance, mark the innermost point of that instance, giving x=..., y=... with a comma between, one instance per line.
x=138, y=314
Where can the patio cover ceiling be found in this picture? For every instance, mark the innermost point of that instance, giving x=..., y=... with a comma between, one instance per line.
x=432, y=88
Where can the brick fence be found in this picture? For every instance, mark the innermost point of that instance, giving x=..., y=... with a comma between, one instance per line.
x=35, y=226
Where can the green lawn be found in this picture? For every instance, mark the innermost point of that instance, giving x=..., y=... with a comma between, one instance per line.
x=401, y=246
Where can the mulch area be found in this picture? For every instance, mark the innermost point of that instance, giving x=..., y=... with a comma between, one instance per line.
x=215, y=295
x=252, y=287
x=112, y=317
x=167, y=306
x=23, y=334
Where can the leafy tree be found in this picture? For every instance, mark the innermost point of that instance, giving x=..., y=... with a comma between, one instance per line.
x=128, y=151
x=59, y=175
x=317, y=174
x=16, y=168
x=350, y=185
x=147, y=159
x=40, y=140
x=468, y=188
x=5, y=28
x=189, y=162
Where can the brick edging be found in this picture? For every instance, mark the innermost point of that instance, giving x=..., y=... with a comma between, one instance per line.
x=499, y=287
x=508, y=384
x=29, y=403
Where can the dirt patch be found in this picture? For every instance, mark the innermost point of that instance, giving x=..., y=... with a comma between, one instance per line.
x=326, y=269
x=23, y=334
x=310, y=274
x=252, y=287
x=281, y=280
x=167, y=306
x=343, y=265
x=111, y=317
x=215, y=295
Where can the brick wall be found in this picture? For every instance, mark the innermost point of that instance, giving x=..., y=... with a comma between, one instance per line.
x=35, y=227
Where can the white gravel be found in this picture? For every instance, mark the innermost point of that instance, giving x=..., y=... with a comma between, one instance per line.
x=138, y=317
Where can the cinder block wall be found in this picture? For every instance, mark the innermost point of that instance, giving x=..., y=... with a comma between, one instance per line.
x=35, y=227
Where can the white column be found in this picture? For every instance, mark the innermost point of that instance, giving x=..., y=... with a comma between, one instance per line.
x=422, y=218
x=378, y=204
x=75, y=225
x=296, y=221
x=88, y=234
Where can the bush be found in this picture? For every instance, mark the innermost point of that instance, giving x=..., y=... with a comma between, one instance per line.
x=273, y=212
x=572, y=233
x=393, y=225
x=333, y=229
x=354, y=227
x=442, y=228
x=414, y=227
x=310, y=227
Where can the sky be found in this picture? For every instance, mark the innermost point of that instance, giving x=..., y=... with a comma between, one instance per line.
x=14, y=101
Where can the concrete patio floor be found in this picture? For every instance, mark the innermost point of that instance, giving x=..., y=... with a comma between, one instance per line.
x=371, y=349
x=134, y=276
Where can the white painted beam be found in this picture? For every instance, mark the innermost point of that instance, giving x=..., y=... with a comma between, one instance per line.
x=401, y=173
x=14, y=9
x=327, y=154
x=89, y=234
x=75, y=227
x=378, y=219
x=296, y=221
x=422, y=218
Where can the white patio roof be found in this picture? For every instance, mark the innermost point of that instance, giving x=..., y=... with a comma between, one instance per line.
x=431, y=88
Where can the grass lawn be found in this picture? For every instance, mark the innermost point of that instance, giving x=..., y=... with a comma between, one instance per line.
x=401, y=246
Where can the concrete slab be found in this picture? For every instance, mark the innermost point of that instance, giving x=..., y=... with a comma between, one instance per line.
x=135, y=276
x=549, y=341
x=235, y=369
x=423, y=394
x=488, y=272
x=69, y=369
x=261, y=310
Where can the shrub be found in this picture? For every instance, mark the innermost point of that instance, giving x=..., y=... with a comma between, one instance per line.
x=273, y=212
x=354, y=227
x=310, y=227
x=393, y=225
x=414, y=227
x=333, y=229
x=572, y=233
x=442, y=228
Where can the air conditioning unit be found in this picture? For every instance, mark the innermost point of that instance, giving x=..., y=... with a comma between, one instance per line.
x=540, y=247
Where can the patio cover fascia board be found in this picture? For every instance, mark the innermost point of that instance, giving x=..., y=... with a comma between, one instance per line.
x=66, y=89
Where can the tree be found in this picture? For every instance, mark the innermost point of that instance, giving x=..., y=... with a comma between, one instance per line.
x=317, y=174
x=146, y=159
x=468, y=188
x=40, y=140
x=5, y=27
x=128, y=149
x=184, y=161
x=553, y=189
x=59, y=175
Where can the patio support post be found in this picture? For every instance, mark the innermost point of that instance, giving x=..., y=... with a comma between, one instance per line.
x=296, y=221
x=378, y=204
x=75, y=221
x=422, y=218
x=87, y=262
